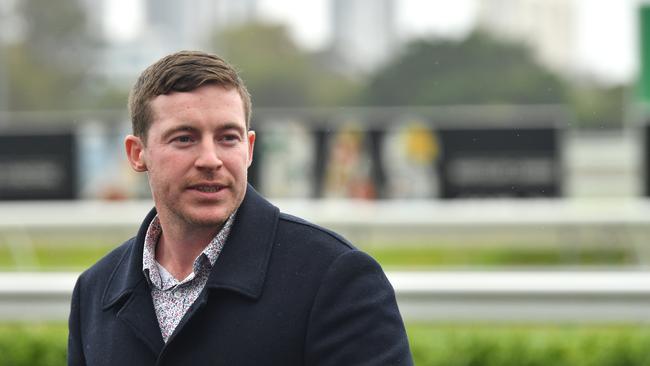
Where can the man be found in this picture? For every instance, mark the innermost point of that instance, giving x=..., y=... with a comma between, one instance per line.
x=216, y=274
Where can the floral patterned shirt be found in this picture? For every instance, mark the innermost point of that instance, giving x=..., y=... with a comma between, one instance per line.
x=171, y=297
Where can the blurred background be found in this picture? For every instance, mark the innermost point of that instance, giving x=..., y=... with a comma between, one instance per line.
x=492, y=155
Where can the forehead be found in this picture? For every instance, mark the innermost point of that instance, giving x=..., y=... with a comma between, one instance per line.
x=209, y=101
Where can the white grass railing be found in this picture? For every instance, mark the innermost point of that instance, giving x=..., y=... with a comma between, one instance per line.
x=522, y=296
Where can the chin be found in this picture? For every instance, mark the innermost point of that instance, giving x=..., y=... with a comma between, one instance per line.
x=203, y=222
x=208, y=217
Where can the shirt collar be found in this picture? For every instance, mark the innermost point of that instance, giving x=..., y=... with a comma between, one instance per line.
x=211, y=251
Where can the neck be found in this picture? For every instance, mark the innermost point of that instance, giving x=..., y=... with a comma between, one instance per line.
x=178, y=247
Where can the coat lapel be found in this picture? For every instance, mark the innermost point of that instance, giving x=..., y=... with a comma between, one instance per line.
x=243, y=263
x=128, y=292
x=138, y=313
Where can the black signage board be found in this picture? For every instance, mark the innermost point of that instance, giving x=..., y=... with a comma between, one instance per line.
x=499, y=162
x=38, y=166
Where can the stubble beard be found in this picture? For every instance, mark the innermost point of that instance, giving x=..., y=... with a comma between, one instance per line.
x=198, y=221
x=175, y=208
x=194, y=219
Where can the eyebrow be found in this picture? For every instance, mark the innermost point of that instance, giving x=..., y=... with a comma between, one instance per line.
x=233, y=126
x=188, y=128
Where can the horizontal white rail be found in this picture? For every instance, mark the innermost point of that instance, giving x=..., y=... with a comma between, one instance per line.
x=557, y=224
x=483, y=212
x=525, y=297
x=521, y=296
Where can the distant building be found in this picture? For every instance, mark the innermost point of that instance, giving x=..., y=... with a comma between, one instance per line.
x=94, y=12
x=363, y=33
x=191, y=23
x=548, y=27
x=235, y=12
x=11, y=25
x=169, y=26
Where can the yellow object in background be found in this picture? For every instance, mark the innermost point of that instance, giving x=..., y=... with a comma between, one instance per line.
x=421, y=144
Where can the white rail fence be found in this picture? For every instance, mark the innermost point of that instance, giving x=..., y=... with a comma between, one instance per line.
x=523, y=296
x=584, y=222
x=435, y=213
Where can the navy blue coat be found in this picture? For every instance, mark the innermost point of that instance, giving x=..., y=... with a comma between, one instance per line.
x=283, y=292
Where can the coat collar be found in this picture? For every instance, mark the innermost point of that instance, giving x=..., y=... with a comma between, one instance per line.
x=244, y=260
x=241, y=266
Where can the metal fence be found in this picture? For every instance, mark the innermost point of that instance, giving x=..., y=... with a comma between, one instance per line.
x=525, y=297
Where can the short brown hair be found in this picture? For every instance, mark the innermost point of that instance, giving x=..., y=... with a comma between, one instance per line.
x=181, y=72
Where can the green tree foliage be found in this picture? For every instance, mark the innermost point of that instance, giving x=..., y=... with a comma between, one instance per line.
x=598, y=107
x=477, y=70
x=277, y=72
x=47, y=68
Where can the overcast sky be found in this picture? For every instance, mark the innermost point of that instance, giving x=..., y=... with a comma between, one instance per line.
x=607, y=39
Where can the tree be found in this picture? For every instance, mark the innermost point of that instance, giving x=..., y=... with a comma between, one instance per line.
x=279, y=73
x=478, y=70
x=597, y=106
x=48, y=68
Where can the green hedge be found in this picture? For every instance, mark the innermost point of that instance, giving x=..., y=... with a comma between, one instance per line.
x=432, y=345
x=530, y=346
x=35, y=345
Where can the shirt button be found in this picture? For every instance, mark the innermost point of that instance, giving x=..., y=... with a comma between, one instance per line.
x=177, y=294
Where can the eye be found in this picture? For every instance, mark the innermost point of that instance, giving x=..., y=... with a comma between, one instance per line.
x=230, y=137
x=183, y=139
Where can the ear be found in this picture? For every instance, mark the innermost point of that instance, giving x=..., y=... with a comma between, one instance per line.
x=135, y=153
x=251, y=145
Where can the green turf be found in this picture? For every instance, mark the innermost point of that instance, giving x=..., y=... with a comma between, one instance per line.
x=76, y=253
x=52, y=257
x=395, y=256
x=71, y=256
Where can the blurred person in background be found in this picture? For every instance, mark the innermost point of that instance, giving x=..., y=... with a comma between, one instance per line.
x=216, y=274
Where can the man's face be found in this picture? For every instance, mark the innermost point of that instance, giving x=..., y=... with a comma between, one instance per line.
x=197, y=154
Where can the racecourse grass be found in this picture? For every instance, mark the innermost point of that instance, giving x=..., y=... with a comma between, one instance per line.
x=42, y=255
x=413, y=257
x=52, y=257
x=431, y=345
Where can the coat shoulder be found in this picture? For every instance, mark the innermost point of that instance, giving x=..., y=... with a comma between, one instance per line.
x=107, y=264
x=309, y=234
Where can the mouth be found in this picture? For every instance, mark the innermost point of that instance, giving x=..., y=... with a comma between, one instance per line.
x=207, y=187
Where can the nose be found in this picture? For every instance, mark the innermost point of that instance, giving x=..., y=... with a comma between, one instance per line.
x=208, y=155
